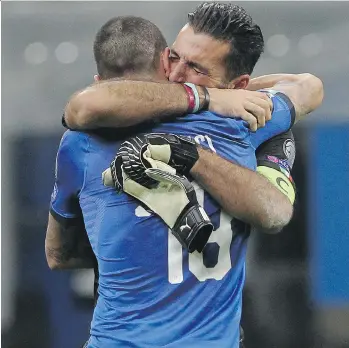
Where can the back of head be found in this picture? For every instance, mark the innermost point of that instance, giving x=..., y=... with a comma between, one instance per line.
x=128, y=46
x=230, y=23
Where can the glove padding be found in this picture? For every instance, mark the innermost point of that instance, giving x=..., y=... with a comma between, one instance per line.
x=172, y=197
x=150, y=151
x=192, y=227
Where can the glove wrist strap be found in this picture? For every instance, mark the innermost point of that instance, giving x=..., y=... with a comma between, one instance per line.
x=193, y=228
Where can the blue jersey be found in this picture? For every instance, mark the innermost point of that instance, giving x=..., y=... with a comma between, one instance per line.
x=152, y=293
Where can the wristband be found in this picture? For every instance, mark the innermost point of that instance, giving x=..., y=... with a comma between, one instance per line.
x=196, y=94
x=191, y=99
x=206, y=103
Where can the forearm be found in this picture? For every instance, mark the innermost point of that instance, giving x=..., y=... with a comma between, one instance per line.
x=119, y=104
x=64, y=257
x=269, y=81
x=58, y=260
x=242, y=193
x=67, y=246
x=306, y=94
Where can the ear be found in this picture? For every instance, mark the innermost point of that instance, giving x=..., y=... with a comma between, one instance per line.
x=166, y=61
x=96, y=78
x=240, y=82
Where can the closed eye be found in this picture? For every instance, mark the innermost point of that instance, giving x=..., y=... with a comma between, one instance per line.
x=173, y=55
x=196, y=69
x=173, y=58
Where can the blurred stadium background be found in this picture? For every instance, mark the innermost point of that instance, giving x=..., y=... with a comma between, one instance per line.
x=297, y=291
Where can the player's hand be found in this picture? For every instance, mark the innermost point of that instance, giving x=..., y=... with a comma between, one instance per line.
x=253, y=107
x=141, y=169
x=154, y=149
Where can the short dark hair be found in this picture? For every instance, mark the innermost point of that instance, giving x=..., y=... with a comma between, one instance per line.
x=230, y=23
x=128, y=45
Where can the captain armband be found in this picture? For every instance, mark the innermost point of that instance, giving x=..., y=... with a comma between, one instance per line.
x=279, y=176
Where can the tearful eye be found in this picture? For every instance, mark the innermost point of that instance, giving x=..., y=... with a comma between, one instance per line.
x=198, y=71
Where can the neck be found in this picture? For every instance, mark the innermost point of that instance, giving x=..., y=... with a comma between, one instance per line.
x=141, y=77
x=138, y=77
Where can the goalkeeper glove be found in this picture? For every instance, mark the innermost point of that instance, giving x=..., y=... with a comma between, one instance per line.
x=177, y=151
x=152, y=186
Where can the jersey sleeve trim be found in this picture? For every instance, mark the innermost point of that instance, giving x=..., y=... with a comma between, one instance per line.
x=64, y=219
x=70, y=174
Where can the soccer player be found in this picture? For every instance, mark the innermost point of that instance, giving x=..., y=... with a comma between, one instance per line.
x=218, y=48
x=114, y=224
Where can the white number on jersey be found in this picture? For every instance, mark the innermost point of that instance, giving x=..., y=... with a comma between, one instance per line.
x=222, y=237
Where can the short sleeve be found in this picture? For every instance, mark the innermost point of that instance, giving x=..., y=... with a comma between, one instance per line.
x=69, y=176
x=283, y=117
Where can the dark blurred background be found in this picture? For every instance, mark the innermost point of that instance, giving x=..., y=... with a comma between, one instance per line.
x=297, y=289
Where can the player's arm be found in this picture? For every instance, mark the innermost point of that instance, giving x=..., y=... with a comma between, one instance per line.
x=304, y=90
x=122, y=103
x=243, y=193
x=66, y=243
x=248, y=195
x=275, y=159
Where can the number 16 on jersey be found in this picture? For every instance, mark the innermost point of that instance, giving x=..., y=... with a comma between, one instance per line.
x=214, y=262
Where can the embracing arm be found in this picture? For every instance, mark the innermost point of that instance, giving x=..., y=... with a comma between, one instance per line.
x=67, y=245
x=243, y=193
x=257, y=198
x=124, y=103
x=304, y=90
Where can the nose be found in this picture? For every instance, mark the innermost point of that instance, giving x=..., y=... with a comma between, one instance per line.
x=178, y=72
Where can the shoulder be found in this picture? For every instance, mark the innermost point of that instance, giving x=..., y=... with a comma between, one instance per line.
x=74, y=138
x=73, y=145
x=281, y=102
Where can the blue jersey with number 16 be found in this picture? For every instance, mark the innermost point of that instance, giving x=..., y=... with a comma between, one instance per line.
x=152, y=293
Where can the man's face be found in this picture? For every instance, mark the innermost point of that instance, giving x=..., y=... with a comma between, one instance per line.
x=199, y=59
